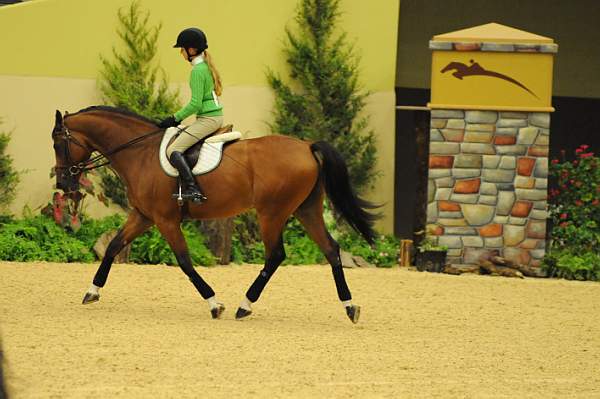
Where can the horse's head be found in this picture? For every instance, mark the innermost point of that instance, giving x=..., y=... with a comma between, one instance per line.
x=70, y=150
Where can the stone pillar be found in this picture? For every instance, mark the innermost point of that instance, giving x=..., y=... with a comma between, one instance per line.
x=489, y=142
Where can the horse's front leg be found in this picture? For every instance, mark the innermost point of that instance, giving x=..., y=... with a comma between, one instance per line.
x=135, y=225
x=171, y=231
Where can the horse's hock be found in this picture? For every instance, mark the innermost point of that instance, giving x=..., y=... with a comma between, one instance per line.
x=491, y=90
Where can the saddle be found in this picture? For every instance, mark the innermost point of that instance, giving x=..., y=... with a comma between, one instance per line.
x=204, y=156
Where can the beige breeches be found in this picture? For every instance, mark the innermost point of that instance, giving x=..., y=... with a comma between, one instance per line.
x=195, y=132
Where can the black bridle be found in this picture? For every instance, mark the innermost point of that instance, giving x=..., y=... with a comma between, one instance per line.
x=75, y=168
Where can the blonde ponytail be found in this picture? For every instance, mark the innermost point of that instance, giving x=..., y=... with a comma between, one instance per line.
x=214, y=73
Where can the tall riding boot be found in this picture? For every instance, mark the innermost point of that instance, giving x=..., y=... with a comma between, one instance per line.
x=191, y=189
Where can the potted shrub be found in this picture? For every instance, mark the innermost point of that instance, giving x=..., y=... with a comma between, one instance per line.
x=430, y=257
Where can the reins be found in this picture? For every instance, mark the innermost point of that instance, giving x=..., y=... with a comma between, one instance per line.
x=84, y=166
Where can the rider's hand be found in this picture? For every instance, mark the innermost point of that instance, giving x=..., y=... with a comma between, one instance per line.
x=168, y=122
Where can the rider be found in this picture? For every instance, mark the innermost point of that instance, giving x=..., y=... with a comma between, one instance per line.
x=206, y=87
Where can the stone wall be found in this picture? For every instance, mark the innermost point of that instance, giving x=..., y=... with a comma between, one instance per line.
x=487, y=184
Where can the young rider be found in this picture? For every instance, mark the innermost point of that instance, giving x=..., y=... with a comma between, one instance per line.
x=206, y=87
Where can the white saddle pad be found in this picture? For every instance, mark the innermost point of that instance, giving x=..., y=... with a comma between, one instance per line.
x=210, y=153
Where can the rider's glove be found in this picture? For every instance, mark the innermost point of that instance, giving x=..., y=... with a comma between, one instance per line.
x=168, y=122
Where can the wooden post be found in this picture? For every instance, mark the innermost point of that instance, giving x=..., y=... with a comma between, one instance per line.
x=405, y=252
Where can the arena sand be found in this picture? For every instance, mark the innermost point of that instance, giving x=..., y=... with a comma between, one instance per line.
x=420, y=335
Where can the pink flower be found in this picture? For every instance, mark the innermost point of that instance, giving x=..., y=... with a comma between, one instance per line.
x=563, y=215
x=564, y=224
x=554, y=161
x=584, y=146
x=587, y=155
x=577, y=151
x=578, y=202
x=596, y=202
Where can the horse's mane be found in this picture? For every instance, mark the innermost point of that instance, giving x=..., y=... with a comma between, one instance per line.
x=116, y=110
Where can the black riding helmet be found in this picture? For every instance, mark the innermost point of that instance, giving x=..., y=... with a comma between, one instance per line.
x=192, y=37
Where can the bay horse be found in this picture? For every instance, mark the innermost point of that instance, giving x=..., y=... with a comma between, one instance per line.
x=279, y=176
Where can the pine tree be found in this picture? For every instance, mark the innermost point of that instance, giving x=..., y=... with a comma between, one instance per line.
x=9, y=177
x=328, y=101
x=131, y=82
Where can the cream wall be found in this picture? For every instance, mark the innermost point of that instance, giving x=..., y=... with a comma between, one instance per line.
x=245, y=37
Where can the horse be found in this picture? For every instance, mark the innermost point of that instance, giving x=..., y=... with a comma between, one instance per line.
x=279, y=176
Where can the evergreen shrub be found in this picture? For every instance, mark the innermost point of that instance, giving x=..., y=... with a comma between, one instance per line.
x=9, y=177
x=40, y=238
x=324, y=100
x=133, y=80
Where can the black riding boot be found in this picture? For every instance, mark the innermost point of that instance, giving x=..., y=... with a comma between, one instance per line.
x=191, y=189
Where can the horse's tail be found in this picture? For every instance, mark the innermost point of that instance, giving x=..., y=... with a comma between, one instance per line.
x=337, y=186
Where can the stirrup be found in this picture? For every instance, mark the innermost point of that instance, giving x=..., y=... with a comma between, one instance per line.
x=196, y=197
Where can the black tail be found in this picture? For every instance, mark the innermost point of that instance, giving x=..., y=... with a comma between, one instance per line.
x=337, y=186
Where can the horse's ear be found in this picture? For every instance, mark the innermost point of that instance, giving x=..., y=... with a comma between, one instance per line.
x=58, y=122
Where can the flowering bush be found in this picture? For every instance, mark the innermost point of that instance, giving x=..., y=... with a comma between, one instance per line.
x=67, y=208
x=575, y=211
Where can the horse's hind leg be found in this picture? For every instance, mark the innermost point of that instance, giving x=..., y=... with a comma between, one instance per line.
x=271, y=228
x=171, y=231
x=310, y=215
x=135, y=225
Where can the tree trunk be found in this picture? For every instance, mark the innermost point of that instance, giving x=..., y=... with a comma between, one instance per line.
x=218, y=233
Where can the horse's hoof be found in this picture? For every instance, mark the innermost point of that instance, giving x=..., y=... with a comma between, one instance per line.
x=90, y=298
x=353, y=313
x=218, y=311
x=241, y=313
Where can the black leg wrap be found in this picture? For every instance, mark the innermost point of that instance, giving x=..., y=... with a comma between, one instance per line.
x=115, y=246
x=340, y=283
x=202, y=286
x=334, y=260
x=102, y=273
x=277, y=256
x=258, y=285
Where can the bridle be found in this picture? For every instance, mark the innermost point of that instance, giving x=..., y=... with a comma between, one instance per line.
x=75, y=168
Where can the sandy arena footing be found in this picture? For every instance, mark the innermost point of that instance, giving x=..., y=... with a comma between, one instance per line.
x=420, y=335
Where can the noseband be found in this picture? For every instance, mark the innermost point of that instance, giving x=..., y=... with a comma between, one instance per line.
x=73, y=168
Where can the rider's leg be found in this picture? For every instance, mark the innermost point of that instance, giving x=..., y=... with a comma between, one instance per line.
x=190, y=186
x=202, y=127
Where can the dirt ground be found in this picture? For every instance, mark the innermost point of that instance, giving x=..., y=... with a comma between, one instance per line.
x=420, y=335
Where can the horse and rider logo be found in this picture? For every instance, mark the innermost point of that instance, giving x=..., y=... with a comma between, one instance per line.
x=463, y=70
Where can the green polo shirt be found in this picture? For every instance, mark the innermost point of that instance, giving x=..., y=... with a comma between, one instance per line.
x=204, y=100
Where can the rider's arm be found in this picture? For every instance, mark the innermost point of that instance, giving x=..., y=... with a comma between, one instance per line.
x=197, y=83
